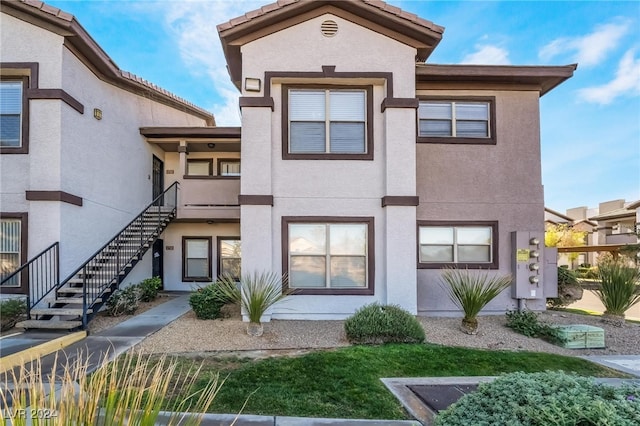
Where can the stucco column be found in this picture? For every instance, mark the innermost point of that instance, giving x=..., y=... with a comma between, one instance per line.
x=182, y=151
x=400, y=214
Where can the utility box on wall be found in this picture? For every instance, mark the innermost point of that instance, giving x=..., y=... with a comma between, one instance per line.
x=527, y=265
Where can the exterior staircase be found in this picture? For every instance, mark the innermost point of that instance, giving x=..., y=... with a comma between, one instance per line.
x=71, y=303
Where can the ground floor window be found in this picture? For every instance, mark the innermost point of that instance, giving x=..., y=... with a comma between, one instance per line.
x=196, y=259
x=12, y=247
x=465, y=244
x=329, y=255
x=229, y=256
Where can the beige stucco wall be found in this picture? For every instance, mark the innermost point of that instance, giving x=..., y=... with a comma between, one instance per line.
x=107, y=163
x=342, y=188
x=484, y=182
x=172, y=237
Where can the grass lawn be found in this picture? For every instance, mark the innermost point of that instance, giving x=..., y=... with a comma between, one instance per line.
x=345, y=382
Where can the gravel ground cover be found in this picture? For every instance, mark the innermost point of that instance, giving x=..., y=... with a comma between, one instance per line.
x=190, y=335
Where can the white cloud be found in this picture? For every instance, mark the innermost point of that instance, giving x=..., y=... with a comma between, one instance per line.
x=487, y=55
x=193, y=24
x=590, y=49
x=625, y=83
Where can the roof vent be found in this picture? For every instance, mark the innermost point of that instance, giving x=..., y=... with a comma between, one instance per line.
x=329, y=28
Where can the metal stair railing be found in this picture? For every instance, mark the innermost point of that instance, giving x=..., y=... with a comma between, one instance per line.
x=104, y=267
x=42, y=274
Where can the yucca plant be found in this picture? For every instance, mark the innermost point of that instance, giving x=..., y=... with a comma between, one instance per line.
x=471, y=291
x=255, y=293
x=619, y=290
x=129, y=391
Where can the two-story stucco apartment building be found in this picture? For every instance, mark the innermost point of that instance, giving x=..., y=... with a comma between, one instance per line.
x=360, y=169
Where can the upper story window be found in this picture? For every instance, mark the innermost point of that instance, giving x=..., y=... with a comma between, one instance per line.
x=11, y=113
x=469, y=121
x=327, y=123
x=463, y=244
x=228, y=167
x=200, y=167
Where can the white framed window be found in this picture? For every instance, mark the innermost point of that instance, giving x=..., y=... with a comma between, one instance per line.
x=228, y=167
x=11, y=114
x=331, y=256
x=10, y=249
x=196, y=258
x=229, y=256
x=460, y=243
x=457, y=120
x=327, y=123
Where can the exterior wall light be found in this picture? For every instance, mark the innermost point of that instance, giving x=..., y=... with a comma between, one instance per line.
x=252, y=84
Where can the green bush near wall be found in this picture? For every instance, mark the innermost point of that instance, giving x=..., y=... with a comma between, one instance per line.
x=377, y=324
x=207, y=302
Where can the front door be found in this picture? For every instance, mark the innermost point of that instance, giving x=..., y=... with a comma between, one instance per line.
x=157, y=264
x=158, y=177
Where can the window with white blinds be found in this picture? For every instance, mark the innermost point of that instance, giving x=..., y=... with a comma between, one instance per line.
x=10, y=114
x=196, y=258
x=454, y=119
x=323, y=121
x=10, y=248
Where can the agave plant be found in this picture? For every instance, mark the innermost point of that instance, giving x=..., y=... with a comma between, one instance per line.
x=619, y=289
x=471, y=291
x=129, y=391
x=255, y=293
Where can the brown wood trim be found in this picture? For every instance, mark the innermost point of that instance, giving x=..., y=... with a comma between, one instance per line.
x=219, y=240
x=400, y=200
x=33, y=68
x=256, y=102
x=255, y=200
x=491, y=140
x=495, y=264
x=191, y=132
x=209, y=162
x=26, y=81
x=328, y=71
x=371, y=261
x=24, y=254
x=368, y=156
x=211, y=177
x=399, y=103
x=56, y=94
x=61, y=196
x=184, y=260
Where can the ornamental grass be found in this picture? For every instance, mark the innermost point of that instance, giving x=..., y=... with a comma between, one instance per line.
x=132, y=390
x=472, y=291
x=619, y=287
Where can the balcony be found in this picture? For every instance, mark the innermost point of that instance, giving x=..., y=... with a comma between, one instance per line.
x=627, y=238
x=209, y=199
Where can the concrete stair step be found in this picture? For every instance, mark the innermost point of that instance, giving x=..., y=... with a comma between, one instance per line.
x=77, y=290
x=59, y=311
x=69, y=300
x=49, y=324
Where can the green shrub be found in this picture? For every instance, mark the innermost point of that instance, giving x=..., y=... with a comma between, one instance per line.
x=619, y=287
x=124, y=301
x=207, y=302
x=569, y=289
x=11, y=311
x=527, y=323
x=149, y=288
x=541, y=399
x=376, y=324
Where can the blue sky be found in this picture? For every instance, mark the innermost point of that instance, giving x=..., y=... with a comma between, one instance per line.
x=590, y=124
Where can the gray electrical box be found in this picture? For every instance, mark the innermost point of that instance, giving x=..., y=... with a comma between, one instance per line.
x=527, y=265
x=550, y=272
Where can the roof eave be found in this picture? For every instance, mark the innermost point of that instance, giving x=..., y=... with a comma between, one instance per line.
x=546, y=77
x=191, y=132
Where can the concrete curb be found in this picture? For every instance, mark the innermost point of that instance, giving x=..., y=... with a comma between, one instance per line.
x=20, y=358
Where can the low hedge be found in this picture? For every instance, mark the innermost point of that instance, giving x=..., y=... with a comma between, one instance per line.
x=377, y=324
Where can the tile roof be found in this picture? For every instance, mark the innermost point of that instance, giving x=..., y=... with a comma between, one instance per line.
x=280, y=4
x=69, y=22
